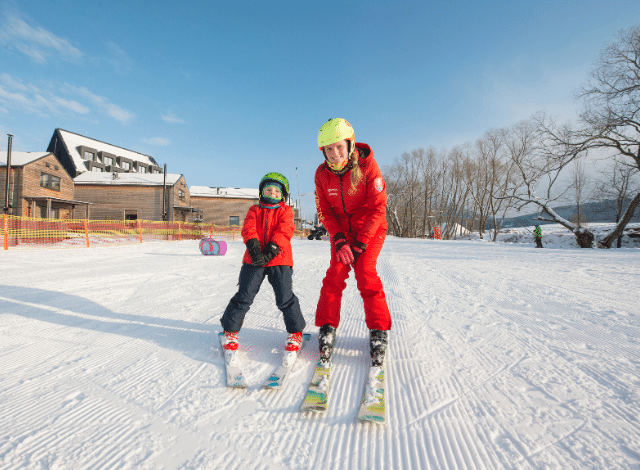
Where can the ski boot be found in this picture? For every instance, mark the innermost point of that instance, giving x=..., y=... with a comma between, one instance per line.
x=230, y=341
x=294, y=341
x=378, y=341
x=326, y=341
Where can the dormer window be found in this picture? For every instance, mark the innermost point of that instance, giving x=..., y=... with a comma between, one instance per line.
x=108, y=160
x=88, y=155
x=142, y=169
x=126, y=165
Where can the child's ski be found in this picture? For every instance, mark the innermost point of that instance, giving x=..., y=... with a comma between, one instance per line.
x=235, y=377
x=276, y=380
x=318, y=393
x=374, y=399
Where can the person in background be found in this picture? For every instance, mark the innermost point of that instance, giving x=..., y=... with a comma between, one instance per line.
x=351, y=201
x=537, y=233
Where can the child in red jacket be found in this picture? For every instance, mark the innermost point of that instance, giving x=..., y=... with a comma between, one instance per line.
x=351, y=200
x=266, y=231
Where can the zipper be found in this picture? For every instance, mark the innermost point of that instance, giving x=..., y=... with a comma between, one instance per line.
x=266, y=226
x=344, y=206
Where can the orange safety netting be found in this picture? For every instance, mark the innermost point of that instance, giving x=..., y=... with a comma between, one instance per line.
x=24, y=232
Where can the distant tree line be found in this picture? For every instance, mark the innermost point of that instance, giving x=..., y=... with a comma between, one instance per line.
x=537, y=162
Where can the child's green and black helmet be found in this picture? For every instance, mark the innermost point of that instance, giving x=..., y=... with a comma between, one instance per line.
x=275, y=178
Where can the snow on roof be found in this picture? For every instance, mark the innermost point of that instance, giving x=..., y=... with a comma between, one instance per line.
x=241, y=193
x=21, y=158
x=73, y=141
x=136, y=179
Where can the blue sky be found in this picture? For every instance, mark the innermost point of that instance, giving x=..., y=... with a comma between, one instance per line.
x=224, y=93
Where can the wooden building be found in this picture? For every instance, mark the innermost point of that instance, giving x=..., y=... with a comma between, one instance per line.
x=79, y=154
x=223, y=206
x=131, y=196
x=39, y=187
x=228, y=206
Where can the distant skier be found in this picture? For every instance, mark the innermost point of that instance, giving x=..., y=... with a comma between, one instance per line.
x=537, y=233
x=266, y=231
x=351, y=201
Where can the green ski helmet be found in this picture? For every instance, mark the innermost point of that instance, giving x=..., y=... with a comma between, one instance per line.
x=275, y=178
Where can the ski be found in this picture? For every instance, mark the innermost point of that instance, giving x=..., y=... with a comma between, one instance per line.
x=374, y=399
x=318, y=393
x=235, y=377
x=277, y=379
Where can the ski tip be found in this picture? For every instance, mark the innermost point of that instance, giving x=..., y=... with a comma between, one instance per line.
x=372, y=419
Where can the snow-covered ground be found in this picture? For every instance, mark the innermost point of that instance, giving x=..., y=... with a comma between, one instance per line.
x=501, y=356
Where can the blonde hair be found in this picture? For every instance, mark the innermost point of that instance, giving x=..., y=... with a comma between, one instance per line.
x=356, y=172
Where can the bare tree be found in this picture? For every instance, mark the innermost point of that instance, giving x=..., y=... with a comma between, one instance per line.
x=580, y=187
x=540, y=156
x=616, y=186
x=610, y=121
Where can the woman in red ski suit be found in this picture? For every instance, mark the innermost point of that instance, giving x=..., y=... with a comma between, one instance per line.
x=351, y=203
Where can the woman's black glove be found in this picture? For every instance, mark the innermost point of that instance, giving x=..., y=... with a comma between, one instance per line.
x=253, y=247
x=270, y=251
x=358, y=248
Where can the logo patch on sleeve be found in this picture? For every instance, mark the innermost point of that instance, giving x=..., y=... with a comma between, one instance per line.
x=378, y=184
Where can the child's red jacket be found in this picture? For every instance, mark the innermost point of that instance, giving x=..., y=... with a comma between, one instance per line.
x=270, y=225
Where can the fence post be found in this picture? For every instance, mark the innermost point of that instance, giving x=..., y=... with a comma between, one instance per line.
x=211, y=231
x=86, y=232
x=6, y=232
x=140, y=229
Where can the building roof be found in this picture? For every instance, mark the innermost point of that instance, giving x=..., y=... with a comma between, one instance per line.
x=21, y=158
x=73, y=141
x=124, y=179
x=229, y=193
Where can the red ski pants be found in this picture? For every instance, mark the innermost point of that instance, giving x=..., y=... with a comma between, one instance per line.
x=376, y=310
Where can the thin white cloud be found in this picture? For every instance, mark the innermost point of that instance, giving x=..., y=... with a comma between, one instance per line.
x=119, y=59
x=35, y=41
x=172, y=118
x=157, y=141
x=112, y=110
x=18, y=95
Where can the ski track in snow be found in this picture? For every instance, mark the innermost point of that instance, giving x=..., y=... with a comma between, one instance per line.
x=501, y=357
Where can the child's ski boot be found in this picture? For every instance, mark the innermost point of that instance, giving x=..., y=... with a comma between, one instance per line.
x=229, y=341
x=294, y=341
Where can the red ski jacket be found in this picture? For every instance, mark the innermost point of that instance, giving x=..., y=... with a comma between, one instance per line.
x=270, y=225
x=359, y=215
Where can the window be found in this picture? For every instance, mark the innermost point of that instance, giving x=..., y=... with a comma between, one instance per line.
x=142, y=169
x=126, y=165
x=97, y=169
x=88, y=155
x=181, y=194
x=234, y=220
x=108, y=160
x=50, y=181
x=130, y=215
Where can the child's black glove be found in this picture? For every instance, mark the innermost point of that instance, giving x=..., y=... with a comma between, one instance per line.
x=270, y=251
x=253, y=247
